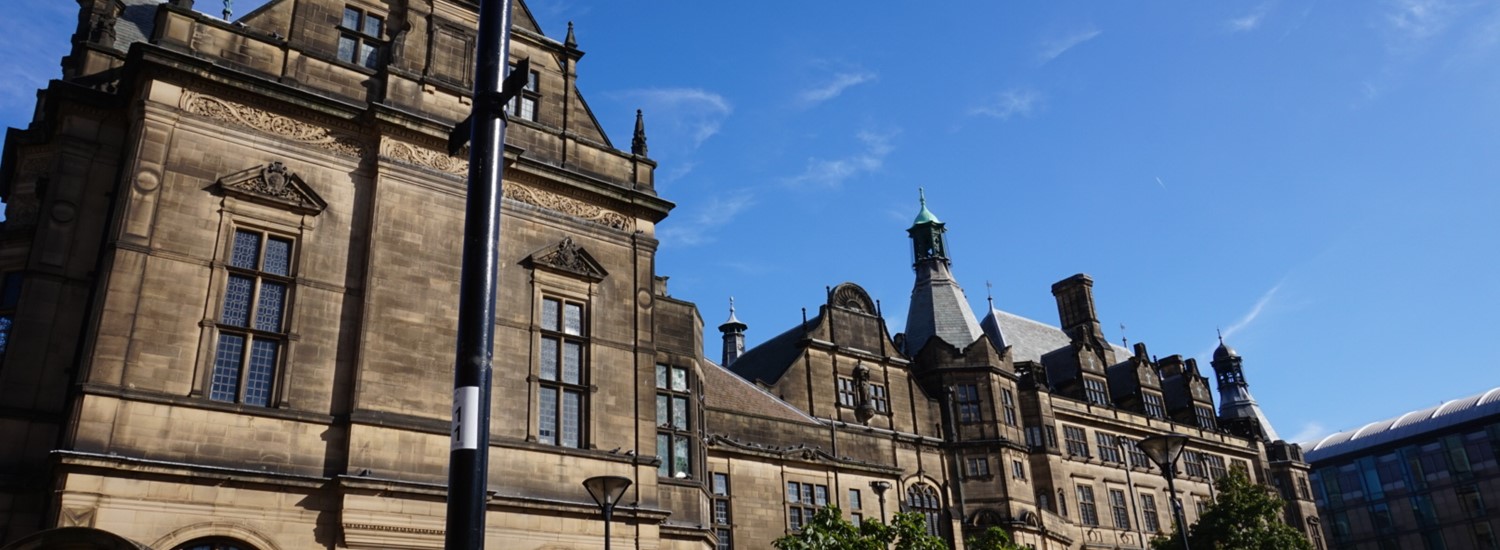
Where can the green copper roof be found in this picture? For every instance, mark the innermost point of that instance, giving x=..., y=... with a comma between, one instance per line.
x=925, y=216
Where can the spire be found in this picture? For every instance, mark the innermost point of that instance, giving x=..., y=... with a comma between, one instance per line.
x=734, y=336
x=571, y=42
x=1238, y=410
x=638, y=143
x=938, y=305
x=991, y=323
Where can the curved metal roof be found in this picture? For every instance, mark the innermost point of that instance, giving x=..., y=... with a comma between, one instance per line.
x=1448, y=413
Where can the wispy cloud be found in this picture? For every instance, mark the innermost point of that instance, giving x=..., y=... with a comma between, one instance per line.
x=1053, y=47
x=833, y=172
x=1418, y=20
x=694, y=113
x=831, y=89
x=1254, y=313
x=1310, y=432
x=1010, y=103
x=697, y=226
x=33, y=44
x=1249, y=21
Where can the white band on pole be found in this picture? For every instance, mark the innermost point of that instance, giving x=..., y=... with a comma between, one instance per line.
x=465, y=418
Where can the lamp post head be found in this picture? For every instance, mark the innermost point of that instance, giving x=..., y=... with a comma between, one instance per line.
x=606, y=490
x=1163, y=450
x=880, y=487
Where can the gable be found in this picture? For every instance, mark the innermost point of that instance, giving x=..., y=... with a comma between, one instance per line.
x=273, y=184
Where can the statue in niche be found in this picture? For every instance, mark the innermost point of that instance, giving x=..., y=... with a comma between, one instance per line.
x=864, y=408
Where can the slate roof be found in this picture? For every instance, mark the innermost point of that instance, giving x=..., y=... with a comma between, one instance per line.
x=771, y=359
x=1030, y=340
x=939, y=309
x=136, y=23
x=724, y=390
x=1415, y=423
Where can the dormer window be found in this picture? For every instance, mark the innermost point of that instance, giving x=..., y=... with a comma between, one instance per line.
x=359, y=37
x=524, y=104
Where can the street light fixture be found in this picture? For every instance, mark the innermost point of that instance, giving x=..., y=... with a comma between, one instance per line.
x=1164, y=450
x=606, y=491
x=880, y=487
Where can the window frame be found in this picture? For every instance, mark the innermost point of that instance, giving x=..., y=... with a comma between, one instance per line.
x=1153, y=404
x=1076, y=446
x=1119, y=509
x=847, y=391
x=880, y=398
x=1088, y=511
x=966, y=397
x=360, y=37
x=251, y=333
x=922, y=498
x=1150, y=517
x=530, y=95
x=1109, y=449
x=666, y=387
x=722, y=495
x=558, y=384
x=804, y=499
x=1008, y=407
x=1096, y=392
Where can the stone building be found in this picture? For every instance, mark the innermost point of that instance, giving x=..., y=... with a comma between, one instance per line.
x=228, y=322
x=1427, y=479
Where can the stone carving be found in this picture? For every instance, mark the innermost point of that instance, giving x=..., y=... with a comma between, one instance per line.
x=851, y=296
x=276, y=184
x=416, y=155
x=231, y=112
x=565, y=205
x=568, y=256
x=865, y=407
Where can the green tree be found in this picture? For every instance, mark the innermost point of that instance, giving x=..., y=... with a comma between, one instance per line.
x=828, y=530
x=993, y=538
x=1244, y=516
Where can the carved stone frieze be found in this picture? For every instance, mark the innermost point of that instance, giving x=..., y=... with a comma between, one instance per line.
x=227, y=111
x=572, y=207
x=417, y=155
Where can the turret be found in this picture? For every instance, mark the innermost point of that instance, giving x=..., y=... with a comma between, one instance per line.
x=1238, y=412
x=938, y=305
x=734, y=337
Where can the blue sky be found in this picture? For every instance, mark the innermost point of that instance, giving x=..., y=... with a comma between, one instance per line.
x=1318, y=179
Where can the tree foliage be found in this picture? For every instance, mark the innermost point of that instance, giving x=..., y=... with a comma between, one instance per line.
x=993, y=538
x=828, y=530
x=1243, y=516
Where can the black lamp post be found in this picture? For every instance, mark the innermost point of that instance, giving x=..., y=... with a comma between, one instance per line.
x=880, y=487
x=606, y=491
x=1164, y=450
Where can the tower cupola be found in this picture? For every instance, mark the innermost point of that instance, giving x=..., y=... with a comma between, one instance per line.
x=928, y=242
x=734, y=337
x=1238, y=411
x=938, y=305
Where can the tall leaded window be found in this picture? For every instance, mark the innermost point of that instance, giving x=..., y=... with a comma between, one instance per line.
x=879, y=398
x=674, y=436
x=1088, y=511
x=10, y=295
x=524, y=104
x=252, y=319
x=922, y=499
x=563, y=373
x=1077, y=441
x=1118, y=509
x=1154, y=406
x=359, y=37
x=1192, y=463
x=1093, y=388
x=1108, y=451
x=803, y=500
x=1205, y=416
x=1149, y=515
x=1008, y=406
x=722, y=527
x=967, y=396
x=1138, y=458
x=856, y=508
x=848, y=392
x=1017, y=470
x=1216, y=468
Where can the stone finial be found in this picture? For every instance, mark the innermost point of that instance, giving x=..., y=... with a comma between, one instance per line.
x=228, y=10
x=571, y=41
x=638, y=143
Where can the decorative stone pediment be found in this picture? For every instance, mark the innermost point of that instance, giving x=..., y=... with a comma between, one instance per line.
x=275, y=185
x=568, y=257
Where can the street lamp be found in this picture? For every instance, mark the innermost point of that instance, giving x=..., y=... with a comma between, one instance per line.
x=606, y=491
x=1164, y=450
x=880, y=487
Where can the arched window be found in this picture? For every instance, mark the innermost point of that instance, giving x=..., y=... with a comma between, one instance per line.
x=921, y=498
x=216, y=544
